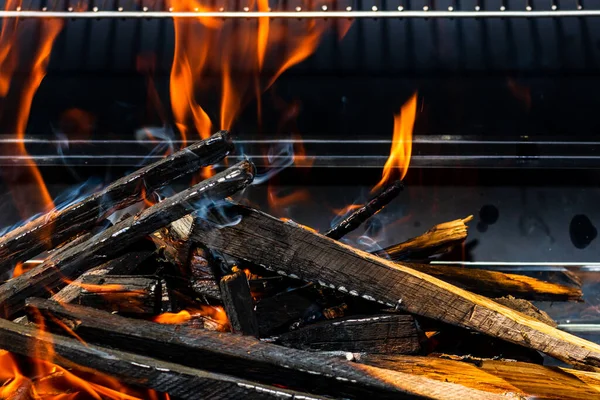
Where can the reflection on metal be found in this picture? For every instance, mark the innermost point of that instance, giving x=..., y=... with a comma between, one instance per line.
x=580, y=328
x=373, y=13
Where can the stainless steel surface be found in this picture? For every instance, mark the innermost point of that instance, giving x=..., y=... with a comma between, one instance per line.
x=301, y=14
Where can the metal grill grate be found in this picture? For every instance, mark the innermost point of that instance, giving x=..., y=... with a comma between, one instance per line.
x=340, y=9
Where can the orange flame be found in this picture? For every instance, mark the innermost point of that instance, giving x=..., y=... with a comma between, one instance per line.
x=401, y=151
x=213, y=55
x=53, y=382
x=278, y=203
x=12, y=33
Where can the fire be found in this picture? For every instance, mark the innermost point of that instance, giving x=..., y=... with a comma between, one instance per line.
x=212, y=314
x=53, y=382
x=278, y=203
x=401, y=151
x=15, y=36
x=238, y=61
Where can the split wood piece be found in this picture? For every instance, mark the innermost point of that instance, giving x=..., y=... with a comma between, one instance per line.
x=238, y=303
x=50, y=275
x=376, y=334
x=49, y=230
x=125, y=264
x=525, y=307
x=365, y=212
x=203, y=269
x=122, y=293
x=245, y=356
x=523, y=379
x=289, y=249
x=499, y=284
x=177, y=380
x=437, y=240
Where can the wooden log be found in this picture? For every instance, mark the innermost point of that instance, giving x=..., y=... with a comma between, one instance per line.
x=246, y=357
x=124, y=264
x=499, y=284
x=238, y=303
x=437, y=240
x=56, y=227
x=376, y=334
x=365, y=212
x=522, y=379
x=291, y=250
x=525, y=307
x=125, y=294
x=177, y=380
x=51, y=274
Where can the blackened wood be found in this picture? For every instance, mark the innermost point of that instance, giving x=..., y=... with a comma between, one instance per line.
x=246, y=357
x=123, y=264
x=203, y=270
x=498, y=284
x=50, y=275
x=124, y=294
x=49, y=230
x=238, y=303
x=177, y=380
x=437, y=240
x=375, y=334
x=365, y=212
x=292, y=250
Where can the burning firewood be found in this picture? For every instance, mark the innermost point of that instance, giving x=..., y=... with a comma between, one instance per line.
x=265, y=240
x=498, y=284
x=437, y=240
x=181, y=381
x=51, y=274
x=50, y=230
x=374, y=334
x=241, y=356
x=122, y=293
x=365, y=212
x=238, y=303
x=522, y=379
x=123, y=264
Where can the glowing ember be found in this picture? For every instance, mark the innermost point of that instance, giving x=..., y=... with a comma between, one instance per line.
x=214, y=314
x=399, y=159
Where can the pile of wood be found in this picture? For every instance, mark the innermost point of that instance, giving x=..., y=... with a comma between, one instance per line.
x=202, y=297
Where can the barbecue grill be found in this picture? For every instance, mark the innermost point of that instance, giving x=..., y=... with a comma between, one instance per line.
x=505, y=130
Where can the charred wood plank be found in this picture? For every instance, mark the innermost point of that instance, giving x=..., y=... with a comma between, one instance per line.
x=123, y=264
x=238, y=303
x=177, y=380
x=376, y=334
x=246, y=357
x=51, y=274
x=437, y=240
x=289, y=249
x=49, y=230
x=365, y=212
x=499, y=284
x=124, y=294
x=523, y=379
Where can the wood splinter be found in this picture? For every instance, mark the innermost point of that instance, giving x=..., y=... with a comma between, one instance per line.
x=437, y=240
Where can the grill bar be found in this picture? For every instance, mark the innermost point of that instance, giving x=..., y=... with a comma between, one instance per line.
x=302, y=14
